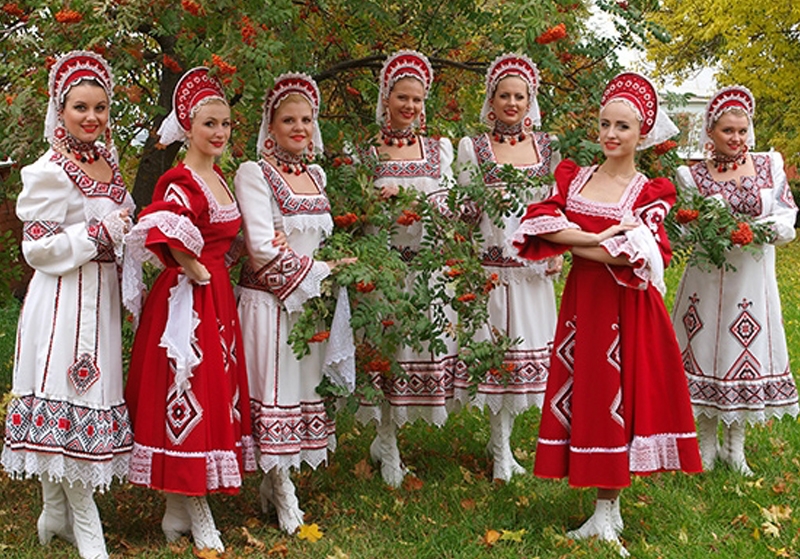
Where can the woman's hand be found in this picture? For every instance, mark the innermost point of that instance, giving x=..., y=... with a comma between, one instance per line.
x=615, y=230
x=192, y=267
x=389, y=191
x=280, y=240
x=333, y=264
x=554, y=265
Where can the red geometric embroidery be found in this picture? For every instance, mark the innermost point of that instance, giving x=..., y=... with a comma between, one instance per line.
x=115, y=190
x=745, y=327
x=692, y=322
x=495, y=256
x=184, y=413
x=102, y=240
x=83, y=373
x=35, y=230
x=566, y=349
x=428, y=166
x=280, y=276
x=744, y=197
x=291, y=203
x=491, y=171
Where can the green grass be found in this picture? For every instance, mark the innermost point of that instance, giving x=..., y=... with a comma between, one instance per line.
x=717, y=514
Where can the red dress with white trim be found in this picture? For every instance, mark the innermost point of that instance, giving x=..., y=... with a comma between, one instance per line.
x=192, y=432
x=616, y=401
x=67, y=417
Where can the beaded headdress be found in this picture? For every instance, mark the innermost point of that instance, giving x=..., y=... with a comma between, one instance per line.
x=403, y=64
x=285, y=85
x=522, y=67
x=195, y=88
x=727, y=98
x=640, y=94
x=69, y=70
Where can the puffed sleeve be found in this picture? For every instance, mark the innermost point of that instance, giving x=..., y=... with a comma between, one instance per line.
x=545, y=217
x=647, y=246
x=446, y=161
x=784, y=210
x=291, y=277
x=467, y=162
x=49, y=244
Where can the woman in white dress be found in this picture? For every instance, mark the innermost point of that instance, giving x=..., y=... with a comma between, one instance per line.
x=413, y=161
x=67, y=422
x=728, y=322
x=282, y=197
x=523, y=305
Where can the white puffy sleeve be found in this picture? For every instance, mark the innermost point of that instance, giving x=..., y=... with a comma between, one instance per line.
x=467, y=162
x=684, y=179
x=446, y=161
x=784, y=210
x=56, y=237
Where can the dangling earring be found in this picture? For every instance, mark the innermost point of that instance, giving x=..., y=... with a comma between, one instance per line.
x=491, y=117
x=423, y=126
x=269, y=145
x=60, y=136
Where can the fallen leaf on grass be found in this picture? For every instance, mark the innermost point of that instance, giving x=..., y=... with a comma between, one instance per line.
x=252, y=522
x=412, y=483
x=782, y=552
x=362, y=470
x=338, y=554
x=490, y=537
x=513, y=536
x=206, y=553
x=253, y=541
x=742, y=519
x=310, y=532
x=683, y=536
x=467, y=504
x=466, y=475
x=179, y=546
x=771, y=529
x=776, y=513
x=279, y=549
x=779, y=487
x=758, y=484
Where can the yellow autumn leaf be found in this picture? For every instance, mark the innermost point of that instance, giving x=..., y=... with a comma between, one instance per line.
x=683, y=536
x=310, y=532
x=338, y=554
x=206, y=553
x=491, y=537
x=513, y=536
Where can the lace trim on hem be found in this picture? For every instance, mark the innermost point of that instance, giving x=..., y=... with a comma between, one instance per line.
x=222, y=466
x=314, y=458
x=751, y=417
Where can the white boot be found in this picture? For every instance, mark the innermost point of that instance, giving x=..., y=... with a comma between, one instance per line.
x=733, y=448
x=56, y=517
x=708, y=441
x=204, y=531
x=176, y=521
x=86, y=524
x=265, y=491
x=500, y=445
x=290, y=517
x=384, y=450
x=604, y=524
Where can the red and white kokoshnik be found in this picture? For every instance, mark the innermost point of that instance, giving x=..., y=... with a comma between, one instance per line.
x=70, y=70
x=521, y=66
x=403, y=64
x=727, y=98
x=640, y=94
x=285, y=85
x=195, y=88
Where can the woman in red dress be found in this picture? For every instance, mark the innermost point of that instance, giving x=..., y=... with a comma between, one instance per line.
x=616, y=401
x=187, y=384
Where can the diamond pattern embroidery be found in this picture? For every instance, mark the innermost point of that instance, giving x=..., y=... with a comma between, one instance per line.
x=83, y=373
x=183, y=414
x=691, y=319
x=745, y=328
x=561, y=405
x=566, y=349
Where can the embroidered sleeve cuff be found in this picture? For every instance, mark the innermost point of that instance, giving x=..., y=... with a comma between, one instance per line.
x=103, y=241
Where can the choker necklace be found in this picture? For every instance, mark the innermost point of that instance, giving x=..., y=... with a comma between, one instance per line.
x=398, y=138
x=724, y=162
x=85, y=152
x=512, y=133
x=290, y=162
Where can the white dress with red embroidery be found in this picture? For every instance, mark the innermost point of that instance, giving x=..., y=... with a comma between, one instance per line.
x=616, y=401
x=523, y=305
x=187, y=383
x=290, y=423
x=427, y=389
x=729, y=323
x=67, y=417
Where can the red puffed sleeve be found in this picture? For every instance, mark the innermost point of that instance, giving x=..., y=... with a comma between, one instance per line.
x=546, y=216
x=178, y=203
x=647, y=246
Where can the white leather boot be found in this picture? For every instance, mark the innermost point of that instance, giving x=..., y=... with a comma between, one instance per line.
x=290, y=517
x=385, y=451
x=56, y=517
x=265, y=491
x=204, y=531
x=603, y=524
x=733, y=448
x=505, y=465
x=176, y=521
x=86, y=525
x=708, y=441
